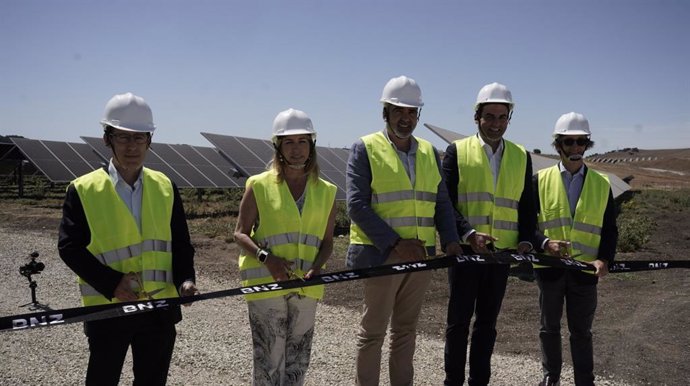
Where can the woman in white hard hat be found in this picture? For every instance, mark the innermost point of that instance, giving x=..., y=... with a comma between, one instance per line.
x=576, y=219
x=285, y=228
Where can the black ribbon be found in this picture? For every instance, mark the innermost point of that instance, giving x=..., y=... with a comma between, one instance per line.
x=83, y=314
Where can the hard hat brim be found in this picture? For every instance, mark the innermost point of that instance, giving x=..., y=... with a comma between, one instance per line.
x=402, y=104
x=106, y=123
x=494, y=101
x=573, y=132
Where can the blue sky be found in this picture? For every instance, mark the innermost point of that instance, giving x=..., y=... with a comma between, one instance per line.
x=229, y=67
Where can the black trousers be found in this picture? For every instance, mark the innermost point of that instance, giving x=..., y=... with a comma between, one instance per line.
x=580, y=300
x=152, y=347
x=474, y=290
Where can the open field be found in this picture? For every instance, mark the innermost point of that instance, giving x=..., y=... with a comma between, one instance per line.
x=641, y=328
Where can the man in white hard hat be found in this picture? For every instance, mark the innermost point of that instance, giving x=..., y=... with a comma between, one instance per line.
x=124, y=233
x=577, y=219
x=396, y=200
x=489, y=181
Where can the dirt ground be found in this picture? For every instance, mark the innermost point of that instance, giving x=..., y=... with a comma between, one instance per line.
x=641, y=330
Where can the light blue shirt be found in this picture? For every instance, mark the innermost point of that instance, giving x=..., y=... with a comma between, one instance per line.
x=130, y=195
x=573, y=185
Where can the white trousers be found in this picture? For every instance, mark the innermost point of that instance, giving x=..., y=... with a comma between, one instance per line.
x=282, y=332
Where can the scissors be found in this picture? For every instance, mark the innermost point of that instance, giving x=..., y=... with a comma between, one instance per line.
x=141, y=293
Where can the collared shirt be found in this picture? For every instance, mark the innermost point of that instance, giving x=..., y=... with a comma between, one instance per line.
x=131, y=195
x=573, y=185
x=407, y=158
x=494, y=157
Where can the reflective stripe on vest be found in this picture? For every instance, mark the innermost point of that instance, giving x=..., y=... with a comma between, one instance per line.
x=115, y=237
x=408, y=209
x=130, y=251
x=285, y=232
x=584, y=230
x=489, y=209
x=291, y=238
x=261, y=272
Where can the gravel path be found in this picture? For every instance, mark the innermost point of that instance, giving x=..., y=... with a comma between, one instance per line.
x=213, y=345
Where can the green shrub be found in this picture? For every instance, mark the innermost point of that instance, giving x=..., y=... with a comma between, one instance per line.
x=634, y=231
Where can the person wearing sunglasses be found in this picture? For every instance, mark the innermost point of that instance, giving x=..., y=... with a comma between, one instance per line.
x=124, y=233
x=489, y=181
x=577, y=220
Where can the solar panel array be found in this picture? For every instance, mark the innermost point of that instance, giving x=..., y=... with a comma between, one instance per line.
x=251, y=156
x=187, y=166
x=226, y=166
x=59, y=161
x=539, y=162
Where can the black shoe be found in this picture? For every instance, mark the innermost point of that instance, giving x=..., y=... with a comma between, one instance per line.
x=550, y=381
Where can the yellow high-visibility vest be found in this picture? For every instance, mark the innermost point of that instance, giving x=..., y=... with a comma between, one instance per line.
x=285, y=232
x=557, y=223
x=491, y=209
x=116, y=240
x=408, y=209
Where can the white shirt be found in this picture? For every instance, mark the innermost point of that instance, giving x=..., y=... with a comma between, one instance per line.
x=131, y=195
x=494, y=157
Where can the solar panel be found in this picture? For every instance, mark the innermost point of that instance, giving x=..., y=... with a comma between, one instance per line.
x=210, y=164
x=98, y=147
x=77, y=157
x=332, y=167
x=175, y=161
x=63, y=166
x=250, y=156
x=539, y=162
x=9, y=151
x=446, y=135
x=343, y=154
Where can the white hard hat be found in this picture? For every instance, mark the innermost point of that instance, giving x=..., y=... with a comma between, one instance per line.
x=292, y=122
x=128, y=112
x=572, y=124
x=494, y=93
x=402, y=91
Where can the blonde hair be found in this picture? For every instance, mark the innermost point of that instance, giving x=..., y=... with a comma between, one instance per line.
x=278, y=164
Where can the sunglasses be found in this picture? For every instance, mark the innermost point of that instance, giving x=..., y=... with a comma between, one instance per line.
x=572, y=141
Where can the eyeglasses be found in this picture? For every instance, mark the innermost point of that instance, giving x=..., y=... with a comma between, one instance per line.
x=572, y=141
x=124, y=139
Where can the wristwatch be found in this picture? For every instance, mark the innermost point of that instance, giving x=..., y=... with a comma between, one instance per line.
x=262, y=255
